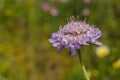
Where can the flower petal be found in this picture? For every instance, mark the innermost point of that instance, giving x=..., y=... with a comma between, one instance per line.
x=56, y=44
x=88, y=39
x=73, y=52
x=77, y=46
x=52, y=40
x=59, y=48
x=54, y=35
x=67, y=46
x=98, y=43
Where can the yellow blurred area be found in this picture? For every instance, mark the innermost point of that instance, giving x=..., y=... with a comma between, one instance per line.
x=93, y=73
x=102, y=51
x=116, y=64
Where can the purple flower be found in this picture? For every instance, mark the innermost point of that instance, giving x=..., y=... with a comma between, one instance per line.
x=54, y=11
x=74, y=35
x=86, y=12
x=45, y=6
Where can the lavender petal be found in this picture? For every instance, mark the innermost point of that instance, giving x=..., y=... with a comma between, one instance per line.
x=56, y=44
x=98, y=43
x=88, y=39
x=73, y=52
x=52, y=40
x=59, y=48
x=77, y=46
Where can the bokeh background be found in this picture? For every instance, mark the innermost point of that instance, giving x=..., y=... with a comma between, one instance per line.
x=26, y=26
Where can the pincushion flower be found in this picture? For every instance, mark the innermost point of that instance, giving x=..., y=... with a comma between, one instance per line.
x=74, y=35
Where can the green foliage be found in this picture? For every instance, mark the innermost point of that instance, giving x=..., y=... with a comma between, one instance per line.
x=76, y=74
x=26, y=54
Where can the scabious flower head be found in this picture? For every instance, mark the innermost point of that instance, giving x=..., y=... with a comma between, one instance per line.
x=74, y=35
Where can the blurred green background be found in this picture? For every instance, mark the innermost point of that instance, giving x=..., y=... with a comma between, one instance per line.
x=26, y=26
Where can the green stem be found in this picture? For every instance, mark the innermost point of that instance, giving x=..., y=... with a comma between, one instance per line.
x=80, y=58
x=85, y=72
x=82, y=65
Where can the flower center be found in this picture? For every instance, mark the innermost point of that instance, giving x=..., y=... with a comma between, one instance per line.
x=72, y=33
